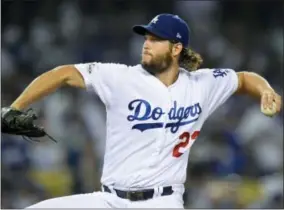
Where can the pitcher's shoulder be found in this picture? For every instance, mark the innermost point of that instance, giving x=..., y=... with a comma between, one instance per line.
x=201, y=72
x=197, y=75
x=119, y=66
x=138, y=70
x=209, y=73
x=102, y=65
x=126, y=67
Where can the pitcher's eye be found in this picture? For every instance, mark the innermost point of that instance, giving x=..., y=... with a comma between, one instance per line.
x=153, y=38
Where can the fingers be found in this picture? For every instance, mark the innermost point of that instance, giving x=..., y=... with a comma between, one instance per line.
x=271, y=103
x=270, y=100
x=278, y=101
x=266, y=96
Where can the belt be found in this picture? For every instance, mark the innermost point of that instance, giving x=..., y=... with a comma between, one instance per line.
x=139, y=195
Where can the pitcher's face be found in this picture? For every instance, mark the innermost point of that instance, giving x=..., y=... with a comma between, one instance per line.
x=156, y=54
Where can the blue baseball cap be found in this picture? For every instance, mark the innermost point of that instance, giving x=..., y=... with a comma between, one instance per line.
x=166, y=26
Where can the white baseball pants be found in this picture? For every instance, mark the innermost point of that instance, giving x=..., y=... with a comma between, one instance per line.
x=111, y=200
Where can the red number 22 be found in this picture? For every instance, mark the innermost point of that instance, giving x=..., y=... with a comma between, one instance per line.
x=186, y=138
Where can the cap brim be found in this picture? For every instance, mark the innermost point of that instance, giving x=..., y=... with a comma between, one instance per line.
x=140, y=29
x=143, y=29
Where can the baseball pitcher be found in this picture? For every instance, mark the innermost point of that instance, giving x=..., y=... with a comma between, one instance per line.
x=155, y=112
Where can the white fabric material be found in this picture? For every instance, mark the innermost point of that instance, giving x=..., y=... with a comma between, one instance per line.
x=150, y=130
x=108, y=200
x=146, y=120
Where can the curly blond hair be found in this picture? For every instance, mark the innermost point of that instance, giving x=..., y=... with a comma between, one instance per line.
x=189, y=59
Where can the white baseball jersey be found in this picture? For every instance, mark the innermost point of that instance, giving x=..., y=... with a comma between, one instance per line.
x=151, y=127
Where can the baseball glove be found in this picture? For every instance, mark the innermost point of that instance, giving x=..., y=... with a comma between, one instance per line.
x=17, y=122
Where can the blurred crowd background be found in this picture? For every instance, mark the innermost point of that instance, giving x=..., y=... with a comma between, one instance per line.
x=237, y=161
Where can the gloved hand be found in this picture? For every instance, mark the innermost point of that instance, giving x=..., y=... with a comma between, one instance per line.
x=17, y=122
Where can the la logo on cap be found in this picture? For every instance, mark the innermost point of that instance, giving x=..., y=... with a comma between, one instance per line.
x=155, y=19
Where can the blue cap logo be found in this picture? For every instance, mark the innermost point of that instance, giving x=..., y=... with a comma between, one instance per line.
x=166, y=26
x=155, y=19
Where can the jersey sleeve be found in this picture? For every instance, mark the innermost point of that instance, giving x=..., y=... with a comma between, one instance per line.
x=220, y=85
x=102, y=78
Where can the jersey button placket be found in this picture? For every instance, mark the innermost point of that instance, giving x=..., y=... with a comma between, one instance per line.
x=167, y=107
x=161, y=136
